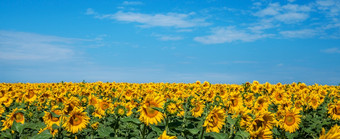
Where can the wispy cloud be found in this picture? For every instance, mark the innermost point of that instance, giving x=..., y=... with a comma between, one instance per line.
x=331, y=7
x=229, y=34
x=90, y=11
x=290, y=13
x=31, y=46
x=305, y=33
x=167, y=37
x=178, y=20
x=132, y=3
x=331, y=50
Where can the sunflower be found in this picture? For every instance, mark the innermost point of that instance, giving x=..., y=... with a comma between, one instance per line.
x=298, y=104
x=8, y=101
x=165, y=136
x=249, y=100
x=129, y=106
x=255, y=88
x=120, y=110
x=95, y=125
x=128, y=94
x=334, y=110
x=215, y=120
x=77, y=121
x=149, y=115
x=263, y=134
x=245, y=116
x=261, y=103
x=3, y=95
x=103, y=106
x=291, y=120
x=278, y=96
x=70, y=104
x=49, y=119
x=30, y=96
x=333, y=133
x=93, y=100
x=2, y=109
x=171, y=107
x=53, y=132
x=314, y=101
x=198, y=109
x=235, y=102
x=17, y=115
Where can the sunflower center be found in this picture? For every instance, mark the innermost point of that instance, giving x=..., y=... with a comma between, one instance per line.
x=76, y=120
x=279, y=97
x=234, y=102
x=314, y=102
x=289, y=120
x=30, y=94
x=93, y=101
x=197, y=108
x=19, y=117
x=121, y=111
x=337, y=110
x=104, y=105
x=150, y=112
x=2, y=93
x=55, y=119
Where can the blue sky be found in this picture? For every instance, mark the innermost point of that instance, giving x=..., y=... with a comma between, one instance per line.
x=221, y=41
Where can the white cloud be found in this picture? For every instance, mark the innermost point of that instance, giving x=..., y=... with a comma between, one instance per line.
x=177, y=20
x=291, y=17
x=30, y=46
x=90, y=11
x=229, y=34
x=305, y=33
x=289, y=13
x=331, y=50
x=332, y=7
x=132, y=3
x=167, y=37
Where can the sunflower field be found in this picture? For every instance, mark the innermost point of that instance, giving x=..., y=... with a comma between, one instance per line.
x=169, y=110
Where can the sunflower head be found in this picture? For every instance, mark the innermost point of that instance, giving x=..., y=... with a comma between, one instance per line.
x=334, y=110
x=120, y=110
x=149, y=115
x=291, y=120
x=215, y=120
x=77, y=120
x=171, y=107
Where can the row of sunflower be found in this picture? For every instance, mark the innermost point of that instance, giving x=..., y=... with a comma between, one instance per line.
x=169, y=110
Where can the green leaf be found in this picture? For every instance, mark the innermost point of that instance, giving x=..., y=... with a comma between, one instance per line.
x=6, y=134
x=231, y=120
x=156, y=129
x=217, y=135
x=291, y=135
x=43, y=135
x=243, y=134
x=175, y=124
x=275, y=131
x=54, y=115
x=104, y=131
x=17, y=127
x=55, y=126
x=129, y=119
x=193, y=131
x=191, y=118
x=158, y=109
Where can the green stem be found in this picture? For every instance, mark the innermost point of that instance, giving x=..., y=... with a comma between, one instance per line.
x=143, y=131
x=231, y=131
x=202, y=132
x=166, y=123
